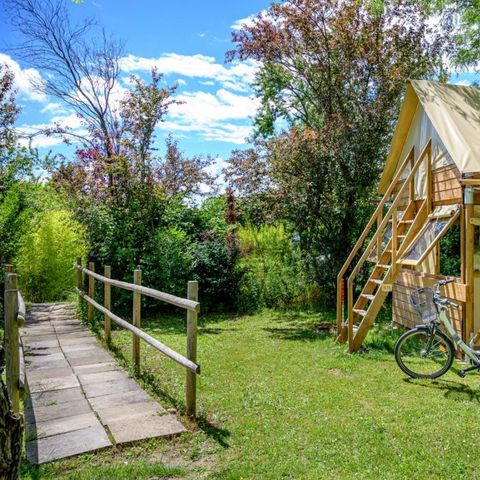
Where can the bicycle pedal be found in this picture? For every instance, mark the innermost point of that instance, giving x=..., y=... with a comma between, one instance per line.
x=461, y=373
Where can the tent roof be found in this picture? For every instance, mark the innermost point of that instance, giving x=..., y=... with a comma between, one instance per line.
x=454, y=111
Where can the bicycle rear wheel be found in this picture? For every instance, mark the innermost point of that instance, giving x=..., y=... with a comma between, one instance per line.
x=420, y=356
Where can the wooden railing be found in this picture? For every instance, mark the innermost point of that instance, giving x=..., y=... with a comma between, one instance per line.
x=391, y=215
x=14, y=313
x=376, y=219
x=190, y=304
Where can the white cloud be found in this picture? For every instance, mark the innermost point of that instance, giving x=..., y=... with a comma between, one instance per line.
x=193, y=66
x=205, y=107
x=181, y=81
x=24, y=78
x=248, y=21
x=53, y=107
x=465, y=83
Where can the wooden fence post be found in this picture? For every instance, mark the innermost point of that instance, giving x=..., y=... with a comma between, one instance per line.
x=191, y=380
x=79, y=279
x=91, y=290
x=11, y=340
x=136, y=319
x=107, y=303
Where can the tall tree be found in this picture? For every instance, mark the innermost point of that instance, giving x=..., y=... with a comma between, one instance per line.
x=332, y=74
x=461, y=19
x=80, y=66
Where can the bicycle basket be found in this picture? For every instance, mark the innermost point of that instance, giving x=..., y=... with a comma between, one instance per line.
x=421, y=300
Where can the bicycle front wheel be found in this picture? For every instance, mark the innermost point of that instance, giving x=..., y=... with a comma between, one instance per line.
x=421, y=356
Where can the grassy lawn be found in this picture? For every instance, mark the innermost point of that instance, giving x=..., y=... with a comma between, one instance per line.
x=279, y=399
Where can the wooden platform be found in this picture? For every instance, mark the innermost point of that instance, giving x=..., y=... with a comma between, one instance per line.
x=79, y=398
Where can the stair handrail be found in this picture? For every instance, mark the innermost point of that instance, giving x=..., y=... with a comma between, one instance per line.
x=426, y=150
x=408, y=159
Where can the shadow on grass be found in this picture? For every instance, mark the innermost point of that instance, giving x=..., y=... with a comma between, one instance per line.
x=218, y=434
x=453, y=390
x=301, y=326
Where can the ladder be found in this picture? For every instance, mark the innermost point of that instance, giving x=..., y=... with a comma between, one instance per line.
x=394, y=232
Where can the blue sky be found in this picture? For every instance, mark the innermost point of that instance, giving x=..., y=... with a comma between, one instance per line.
x=186, y=40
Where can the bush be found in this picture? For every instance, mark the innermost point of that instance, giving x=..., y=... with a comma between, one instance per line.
x=46, y=256
x=214, y=266
x=274, y=269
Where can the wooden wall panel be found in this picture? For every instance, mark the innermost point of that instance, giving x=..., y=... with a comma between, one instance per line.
x=446, y=188
x=408, y=280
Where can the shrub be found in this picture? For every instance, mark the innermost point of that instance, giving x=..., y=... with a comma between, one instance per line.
x=214, y=266
x=46, y=256
x=274, y=269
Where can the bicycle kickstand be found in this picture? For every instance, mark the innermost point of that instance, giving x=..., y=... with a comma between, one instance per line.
x=462, y=373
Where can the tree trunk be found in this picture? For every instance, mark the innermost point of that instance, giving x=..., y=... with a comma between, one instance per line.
x=11, y=430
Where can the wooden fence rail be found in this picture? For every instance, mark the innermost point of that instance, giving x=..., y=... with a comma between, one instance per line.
x=190, y=304
x=14, y=314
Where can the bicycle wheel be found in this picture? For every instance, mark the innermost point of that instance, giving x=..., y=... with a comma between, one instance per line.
x=417, y=360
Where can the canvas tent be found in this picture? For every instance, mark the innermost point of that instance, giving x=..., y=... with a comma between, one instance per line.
x=429, y=186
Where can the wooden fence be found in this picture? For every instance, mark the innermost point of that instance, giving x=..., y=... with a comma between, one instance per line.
x=14, y=313
x=190, y=304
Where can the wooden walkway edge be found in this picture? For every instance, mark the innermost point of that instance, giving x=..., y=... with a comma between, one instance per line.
x=80, y=399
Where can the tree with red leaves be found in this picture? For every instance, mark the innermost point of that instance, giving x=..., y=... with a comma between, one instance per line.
x=331, y=77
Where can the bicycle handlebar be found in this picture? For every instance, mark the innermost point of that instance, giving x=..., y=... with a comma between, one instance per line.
x=442, y=300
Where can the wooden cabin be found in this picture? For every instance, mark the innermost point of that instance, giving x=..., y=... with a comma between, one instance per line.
x=430, y=185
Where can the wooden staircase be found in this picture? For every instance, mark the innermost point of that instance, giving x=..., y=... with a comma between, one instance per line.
x=394, y=232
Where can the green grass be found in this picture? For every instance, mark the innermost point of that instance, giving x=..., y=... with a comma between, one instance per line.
x=278, y=399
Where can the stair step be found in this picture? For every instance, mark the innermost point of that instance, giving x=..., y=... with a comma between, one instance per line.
x=368, y=296
x=360, y=312
x=380, y=265
x=376, y=280
x=401, y=236
x=406, y=221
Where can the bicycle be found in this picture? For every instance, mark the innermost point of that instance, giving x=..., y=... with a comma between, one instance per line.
x=426, y=351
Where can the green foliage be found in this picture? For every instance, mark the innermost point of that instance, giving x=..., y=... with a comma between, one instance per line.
x=46, y=256
x=330, y=83
x=275, y=273
x=214, y=266
x=450, y=258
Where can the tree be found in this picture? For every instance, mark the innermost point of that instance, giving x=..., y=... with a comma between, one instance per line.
x=460, y=19
x=81, y=67
x=179, y=175
x=332, y=74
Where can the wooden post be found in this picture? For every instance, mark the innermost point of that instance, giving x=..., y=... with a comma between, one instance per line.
x=350, y=314
x=79, y=278
x=91, y=290
x=429, y=179
x=411, y=193
x=137, y=312
x=107, y=303
x=191, y=380
x=11, y=340
x=469, y=266
x=379, y=239
x=394, y=235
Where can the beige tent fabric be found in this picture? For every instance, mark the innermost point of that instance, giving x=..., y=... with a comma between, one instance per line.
x=454, y=112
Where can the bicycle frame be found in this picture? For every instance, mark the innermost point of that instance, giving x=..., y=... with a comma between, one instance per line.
x=472, y=354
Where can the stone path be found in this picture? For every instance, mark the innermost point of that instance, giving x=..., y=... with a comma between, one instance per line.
x=79, y=398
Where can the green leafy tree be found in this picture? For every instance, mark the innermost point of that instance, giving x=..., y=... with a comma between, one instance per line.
x=46, y=256
x=461, y=20
x=330, y=81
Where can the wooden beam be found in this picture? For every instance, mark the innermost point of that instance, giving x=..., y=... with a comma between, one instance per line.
x=191, y=380
x=180, y=359
x=136, y=320
x=107, y=303
x=469, y=269
x=91, y=291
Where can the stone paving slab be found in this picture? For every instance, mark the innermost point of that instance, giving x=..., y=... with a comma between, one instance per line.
x=80, y=398
x=67, y=444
